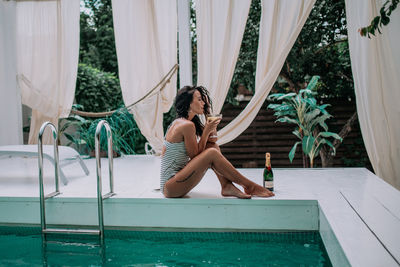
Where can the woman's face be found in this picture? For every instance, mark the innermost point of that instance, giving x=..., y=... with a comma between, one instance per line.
x=197, y=105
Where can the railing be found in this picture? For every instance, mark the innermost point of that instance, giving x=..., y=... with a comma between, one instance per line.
x=56, y=168
x=100, y=197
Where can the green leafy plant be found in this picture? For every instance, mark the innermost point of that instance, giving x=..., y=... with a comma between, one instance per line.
x=123, y=127
x=381, y=20
x=99, y=91
x=96, y=90
x=303, y=110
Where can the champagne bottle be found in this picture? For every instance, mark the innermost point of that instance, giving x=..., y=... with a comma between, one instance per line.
x=268, y=174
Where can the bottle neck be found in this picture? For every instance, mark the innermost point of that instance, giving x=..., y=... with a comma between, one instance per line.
x=268, y=160
x=268, y=163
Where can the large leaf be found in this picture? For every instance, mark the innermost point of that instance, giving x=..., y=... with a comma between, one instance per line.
x=275, y=96
x=324, y=126
x=311, y=115
x=281, y=107
x=322, y=107
x=318, y=120
x=313, y=82
x=287, y=120
x=311, y=101
x=308, y=142
x=325, y=141
x=330, y=134
x=293, y=151
x=286, y=107
x=275, y=106
x=306, y=92
x=286, y=96
x=290, y=113
x=297, y=133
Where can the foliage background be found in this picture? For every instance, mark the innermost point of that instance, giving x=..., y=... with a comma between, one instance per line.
x=97, y=90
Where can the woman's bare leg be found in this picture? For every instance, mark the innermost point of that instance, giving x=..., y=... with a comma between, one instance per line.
x=193, y=172
x=228, y=189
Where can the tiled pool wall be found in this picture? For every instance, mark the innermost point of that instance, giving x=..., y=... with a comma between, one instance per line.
x=168, y=247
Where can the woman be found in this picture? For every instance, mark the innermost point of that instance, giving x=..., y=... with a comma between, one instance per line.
x=189, y=151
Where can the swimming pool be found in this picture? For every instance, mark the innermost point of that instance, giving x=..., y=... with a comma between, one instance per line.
x=155, y=248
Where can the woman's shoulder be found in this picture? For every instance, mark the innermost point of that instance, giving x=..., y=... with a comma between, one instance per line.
x=180, y=127
x=183, y=123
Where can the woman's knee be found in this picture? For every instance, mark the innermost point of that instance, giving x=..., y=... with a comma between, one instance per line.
x=213, y=145
x=212, y=151
x=170, y=193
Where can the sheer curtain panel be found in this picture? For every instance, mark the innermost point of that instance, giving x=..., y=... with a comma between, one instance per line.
x=375, y=64
x=47, y=59
x=281, y=23
x=146, y=43
x=220, y=27
x=10, y=97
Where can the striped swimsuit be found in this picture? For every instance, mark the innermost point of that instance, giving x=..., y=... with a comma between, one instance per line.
x=173, y=160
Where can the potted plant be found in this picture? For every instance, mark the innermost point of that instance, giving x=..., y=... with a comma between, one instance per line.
x=303, y=110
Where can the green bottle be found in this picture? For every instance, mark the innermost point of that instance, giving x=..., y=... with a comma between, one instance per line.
x=268, y=174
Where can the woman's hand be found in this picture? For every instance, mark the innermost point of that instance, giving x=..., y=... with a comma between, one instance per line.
x=212, y=138
x=211, y=127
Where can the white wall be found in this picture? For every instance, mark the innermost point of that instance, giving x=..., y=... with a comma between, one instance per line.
x=10, y=100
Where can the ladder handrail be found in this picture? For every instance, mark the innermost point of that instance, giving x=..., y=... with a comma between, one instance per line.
x=100, y=197
x=56, y=170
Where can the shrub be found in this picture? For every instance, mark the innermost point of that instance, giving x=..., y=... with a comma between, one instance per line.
x=96, y=90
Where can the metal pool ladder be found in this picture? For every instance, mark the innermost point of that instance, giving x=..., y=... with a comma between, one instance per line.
x=100, y=197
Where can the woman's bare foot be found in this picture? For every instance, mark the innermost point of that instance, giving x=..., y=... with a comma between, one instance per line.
x=258, y=191
x=229, y=190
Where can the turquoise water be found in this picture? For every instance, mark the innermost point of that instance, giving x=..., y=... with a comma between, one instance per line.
x=137, y=248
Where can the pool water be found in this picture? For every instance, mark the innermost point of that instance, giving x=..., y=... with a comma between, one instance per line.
x=154, y=248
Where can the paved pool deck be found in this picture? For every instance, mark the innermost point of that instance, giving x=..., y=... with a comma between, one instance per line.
x=356, y=212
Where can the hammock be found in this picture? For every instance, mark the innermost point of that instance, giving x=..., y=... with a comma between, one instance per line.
x=166, y=79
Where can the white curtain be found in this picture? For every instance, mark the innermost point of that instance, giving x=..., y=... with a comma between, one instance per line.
x=281, y=23
x=376, y=70
x=146, y=42
x=10, y=98
x=220, y=27
x=47, y=59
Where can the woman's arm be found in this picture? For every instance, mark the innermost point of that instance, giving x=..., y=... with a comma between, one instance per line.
x=193, y=147
x=209, y=128
x=189, y=137
x=213, y=137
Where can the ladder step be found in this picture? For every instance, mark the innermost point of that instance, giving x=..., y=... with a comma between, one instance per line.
x=71, y=231
x=56, y=193
x=108, y=195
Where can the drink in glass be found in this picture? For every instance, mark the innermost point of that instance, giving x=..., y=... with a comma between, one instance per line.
x=212, y=117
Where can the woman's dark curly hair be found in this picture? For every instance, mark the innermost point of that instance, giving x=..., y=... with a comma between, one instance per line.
x=183, y=100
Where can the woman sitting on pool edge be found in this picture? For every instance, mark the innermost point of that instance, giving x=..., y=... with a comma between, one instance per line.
x=185, y=159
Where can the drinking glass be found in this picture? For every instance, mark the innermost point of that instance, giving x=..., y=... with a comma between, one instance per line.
x=212, y=117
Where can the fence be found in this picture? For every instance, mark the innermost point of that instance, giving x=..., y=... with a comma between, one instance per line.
x=264, y=135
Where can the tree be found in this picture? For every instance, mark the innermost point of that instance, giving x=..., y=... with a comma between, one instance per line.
x=97, y=47
x=245, y=70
